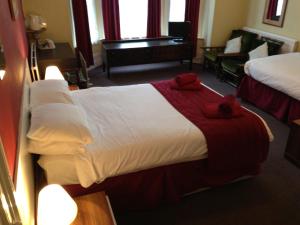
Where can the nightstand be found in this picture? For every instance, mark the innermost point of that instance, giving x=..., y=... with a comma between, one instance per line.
x=73, y=87
x=94, y=209
x=292, y=151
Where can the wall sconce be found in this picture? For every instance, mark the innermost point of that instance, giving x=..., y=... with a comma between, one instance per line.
x=55, y=206
x=53, y=73
x=2, y=74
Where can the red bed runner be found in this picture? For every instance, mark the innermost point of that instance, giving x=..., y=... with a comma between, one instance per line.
x=236, y=146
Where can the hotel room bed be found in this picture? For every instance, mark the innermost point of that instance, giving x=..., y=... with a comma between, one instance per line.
x=146, y=150
x=273, y=85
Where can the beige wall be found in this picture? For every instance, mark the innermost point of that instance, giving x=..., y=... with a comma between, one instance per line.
x=291, y=23
x=57, y=14
x=228, y=15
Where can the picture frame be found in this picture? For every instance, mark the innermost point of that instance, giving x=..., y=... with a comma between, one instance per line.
x=14, y=8
x=9, y=214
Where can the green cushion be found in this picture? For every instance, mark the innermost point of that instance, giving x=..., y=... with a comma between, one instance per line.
x=211, y=55
x=247, y=39
x=236, y=33
x=256, y=43
x=231, y=65
x=274, y=46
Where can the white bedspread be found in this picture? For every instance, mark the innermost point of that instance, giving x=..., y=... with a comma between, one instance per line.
x=134, y=128
x=130, y=123
x=281, y=72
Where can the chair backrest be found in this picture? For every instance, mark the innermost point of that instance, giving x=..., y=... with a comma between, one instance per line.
x=83, y=69
x=247, y=38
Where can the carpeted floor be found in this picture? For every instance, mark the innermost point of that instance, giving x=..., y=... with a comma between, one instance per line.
x=273, y=198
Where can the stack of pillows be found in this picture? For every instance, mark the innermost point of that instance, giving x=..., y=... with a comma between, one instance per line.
x=58, y=126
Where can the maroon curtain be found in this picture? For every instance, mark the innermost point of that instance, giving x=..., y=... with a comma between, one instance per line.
x=111, y=19
x=153, y=20
x=272, y=8
x=82, y=30
x=192, y=14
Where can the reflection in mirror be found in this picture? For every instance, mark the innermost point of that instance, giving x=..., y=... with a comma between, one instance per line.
x=2, y=61
x=275, y=12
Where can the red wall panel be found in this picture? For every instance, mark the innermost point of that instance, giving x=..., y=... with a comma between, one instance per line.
x=12, y=33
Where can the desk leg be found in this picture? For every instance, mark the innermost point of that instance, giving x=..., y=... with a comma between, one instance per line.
x=108, y=72
x=191, y=64
x=103, y=67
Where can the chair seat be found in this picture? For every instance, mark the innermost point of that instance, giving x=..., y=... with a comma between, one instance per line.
x=211, y=55
x=232, y=66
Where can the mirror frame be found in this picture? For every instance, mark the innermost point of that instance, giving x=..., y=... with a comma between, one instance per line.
x=278, y=23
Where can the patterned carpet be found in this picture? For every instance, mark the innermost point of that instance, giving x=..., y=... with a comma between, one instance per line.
x=273, y=198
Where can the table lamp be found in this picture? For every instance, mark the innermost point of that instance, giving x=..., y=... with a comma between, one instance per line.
x=55, y=206
x=2, y=73
x=53, y=73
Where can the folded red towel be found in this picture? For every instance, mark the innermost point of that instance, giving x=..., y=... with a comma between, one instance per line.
x=186, y=78
x=195, y=86
x=228, y=107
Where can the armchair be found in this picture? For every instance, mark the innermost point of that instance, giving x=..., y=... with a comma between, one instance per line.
x=214, y=55
x=233, y=69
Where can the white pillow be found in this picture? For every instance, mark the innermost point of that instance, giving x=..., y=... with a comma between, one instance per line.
x=57, y=122
x=234, y=45
x=260, y=52
x=49, y=91
x=55, y=148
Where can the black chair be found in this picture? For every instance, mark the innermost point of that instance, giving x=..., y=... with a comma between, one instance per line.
x=214, y=55
x=233, y=69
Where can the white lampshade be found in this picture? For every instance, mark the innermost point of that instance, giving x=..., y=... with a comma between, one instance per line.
x=53, y=73
x=2, y=73
x=55, y=206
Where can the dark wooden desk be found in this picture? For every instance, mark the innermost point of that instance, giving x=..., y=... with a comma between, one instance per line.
x=143, y=51
x=62, y=56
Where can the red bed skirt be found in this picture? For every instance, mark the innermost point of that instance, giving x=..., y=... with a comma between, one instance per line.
x=151, y=187
x=278, y=104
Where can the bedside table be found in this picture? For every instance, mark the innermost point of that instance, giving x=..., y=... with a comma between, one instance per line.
x=73, y=87
x=94, y=209
x=292, y=151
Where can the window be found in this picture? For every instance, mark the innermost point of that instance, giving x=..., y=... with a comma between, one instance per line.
x=177, y=10
x=279, y=7
x=94, y=9
x=95, y=20
x=133, y=18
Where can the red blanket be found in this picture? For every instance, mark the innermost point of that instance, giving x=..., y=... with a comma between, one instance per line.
x=236, y=146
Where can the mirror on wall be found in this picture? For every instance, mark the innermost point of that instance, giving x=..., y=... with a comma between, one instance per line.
x=275, y=12
x=2, y=61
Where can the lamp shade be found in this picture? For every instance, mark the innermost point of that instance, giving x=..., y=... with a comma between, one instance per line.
x=55, y=206
x=2, y=73
x=53, y=73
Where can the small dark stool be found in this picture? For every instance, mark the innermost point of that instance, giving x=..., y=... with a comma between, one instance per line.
x=292, y=150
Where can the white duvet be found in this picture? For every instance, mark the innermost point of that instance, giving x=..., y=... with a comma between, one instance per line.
x=281, y=72
x=129, y=123
x=134, y=128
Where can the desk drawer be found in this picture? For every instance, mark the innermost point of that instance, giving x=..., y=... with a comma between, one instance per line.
x=172, y=52
x=129, y=56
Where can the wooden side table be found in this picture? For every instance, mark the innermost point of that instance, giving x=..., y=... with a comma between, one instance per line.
x=292, y=151
x=94, y=209
x=73, y=87
x=61, y=56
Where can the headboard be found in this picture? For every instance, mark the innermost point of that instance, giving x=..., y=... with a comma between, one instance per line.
x=290, y=45
x=25, y=176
